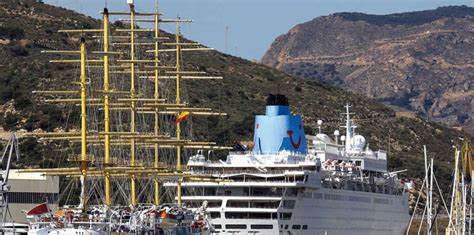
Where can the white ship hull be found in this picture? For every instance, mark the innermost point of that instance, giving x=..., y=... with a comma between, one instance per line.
x=327, y=211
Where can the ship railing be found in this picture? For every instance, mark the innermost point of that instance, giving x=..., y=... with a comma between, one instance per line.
x=339, y=150
x=285, y=153
x=240, y=152
x=261, y=181
x=241, y=172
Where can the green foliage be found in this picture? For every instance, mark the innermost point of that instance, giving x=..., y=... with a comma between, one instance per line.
x=12, y=33
x=11, y=121
x=410, y=18
x=18, y=50
x=22, y=102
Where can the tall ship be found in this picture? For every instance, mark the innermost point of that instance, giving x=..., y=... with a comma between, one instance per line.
x=128, y=130
x=291, y=183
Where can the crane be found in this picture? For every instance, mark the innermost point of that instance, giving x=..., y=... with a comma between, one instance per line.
x=12, y=145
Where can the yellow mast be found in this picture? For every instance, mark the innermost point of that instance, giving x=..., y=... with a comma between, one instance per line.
x=84, y=162
x=467, y=163
x=459, y=205
x=132, y=104
x=157, y=96
x=178, y=101
x=108, y=200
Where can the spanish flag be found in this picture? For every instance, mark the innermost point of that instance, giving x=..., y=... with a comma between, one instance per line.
x=182, y=116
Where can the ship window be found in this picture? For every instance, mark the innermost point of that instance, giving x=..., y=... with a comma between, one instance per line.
x=217, y=226
x=261, y=226
x=246, y=191
x=213, y=204
x=289, y=204
x=305, y=227
x=318, y=196
x=358, y=163
x=359, y=199
x=286, y=226
x=335, y=197
x=31, y=198
x=296, y=226
x=258, y=191
x=257, y=204
x=291, y=192
x=253, y=204
x=236, y=226
x=307, y=195
x=215, y=215
x=209, y=191
x=237, y=204
x=248, y=215
x=198, y=203
x=381, y=201
x=285, y=216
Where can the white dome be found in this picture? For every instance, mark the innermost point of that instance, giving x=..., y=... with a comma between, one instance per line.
x=318, y=144
x=358, y=142
x=324, y=138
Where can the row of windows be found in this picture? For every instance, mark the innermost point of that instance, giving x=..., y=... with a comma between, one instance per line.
x=294, y=226
x=289, y=204
x=235, y=204
x=244, y=226
x=338, y=197
x=261, y=226
x=31, y=198
x=382, y=201
x=234, y=191
x=249, y=215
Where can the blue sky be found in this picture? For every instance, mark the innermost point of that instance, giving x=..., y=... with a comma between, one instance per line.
x=252, y=24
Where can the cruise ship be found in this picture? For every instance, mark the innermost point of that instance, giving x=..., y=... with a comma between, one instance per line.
x=292, y=183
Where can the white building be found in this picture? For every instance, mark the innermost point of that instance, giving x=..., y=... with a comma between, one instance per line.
x=28, y=190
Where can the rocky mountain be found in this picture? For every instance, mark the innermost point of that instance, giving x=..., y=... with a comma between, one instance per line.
x=418, y=61
x=29, y=27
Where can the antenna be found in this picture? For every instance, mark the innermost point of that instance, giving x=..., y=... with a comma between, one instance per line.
x=336, y=134
x=226, y=40
x=320, y=122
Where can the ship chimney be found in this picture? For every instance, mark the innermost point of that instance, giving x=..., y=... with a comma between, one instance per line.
x=278, y=129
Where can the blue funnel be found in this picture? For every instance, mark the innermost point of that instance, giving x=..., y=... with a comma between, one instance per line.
x=278, y=130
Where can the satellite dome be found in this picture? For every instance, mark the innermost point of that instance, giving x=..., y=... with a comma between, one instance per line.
x=358, y=142
x=324, y=138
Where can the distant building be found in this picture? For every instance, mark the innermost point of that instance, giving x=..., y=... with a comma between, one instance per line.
x=28, y=190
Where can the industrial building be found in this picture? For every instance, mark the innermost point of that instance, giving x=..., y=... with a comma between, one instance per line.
x=28, y=190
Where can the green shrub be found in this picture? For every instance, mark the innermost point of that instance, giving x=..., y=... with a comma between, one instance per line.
x=11, y=121
x=11, y=33
x=17, y=50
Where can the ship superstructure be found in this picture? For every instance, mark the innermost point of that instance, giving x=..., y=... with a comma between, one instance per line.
x=288, y=185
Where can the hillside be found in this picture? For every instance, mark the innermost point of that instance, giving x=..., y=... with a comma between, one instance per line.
x=241, y=94
x=417, y=61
